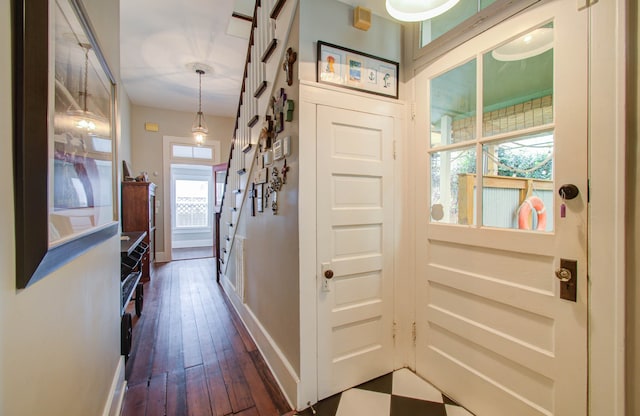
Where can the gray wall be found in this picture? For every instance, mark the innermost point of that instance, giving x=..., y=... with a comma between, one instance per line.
x=332, y=22
x=146, y=147
x=60, y=338
x=271, y=246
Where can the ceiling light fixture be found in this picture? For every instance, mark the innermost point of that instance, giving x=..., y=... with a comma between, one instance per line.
x=418, y=10
x=85, y=119
x=526, y=46
x=199, y=128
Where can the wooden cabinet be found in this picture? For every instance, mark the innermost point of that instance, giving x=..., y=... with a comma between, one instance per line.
x=139, y=214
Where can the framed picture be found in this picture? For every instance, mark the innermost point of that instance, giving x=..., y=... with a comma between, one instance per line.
x=356, y=70
x=63, y=106
x=259, y=197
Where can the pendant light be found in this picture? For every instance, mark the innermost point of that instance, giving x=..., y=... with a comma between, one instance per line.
x=418, y=10
x=199, y=128
x=83, y=118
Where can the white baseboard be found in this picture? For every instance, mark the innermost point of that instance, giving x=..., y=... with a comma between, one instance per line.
x=191, y=243
x=113, y=406
x=280, y=367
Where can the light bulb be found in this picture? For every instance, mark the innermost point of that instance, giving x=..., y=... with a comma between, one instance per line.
x=86, y=125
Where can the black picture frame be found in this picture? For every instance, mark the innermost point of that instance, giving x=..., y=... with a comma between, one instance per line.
x=34, y=120
x=348, y=68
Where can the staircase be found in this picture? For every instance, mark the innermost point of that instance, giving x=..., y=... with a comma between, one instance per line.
x=272, y=21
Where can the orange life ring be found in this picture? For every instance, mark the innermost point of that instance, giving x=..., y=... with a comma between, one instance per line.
x=524, y=214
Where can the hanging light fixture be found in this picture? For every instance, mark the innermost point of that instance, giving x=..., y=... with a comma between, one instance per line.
x=199, y=128
x=83, y=118
x=418, y=10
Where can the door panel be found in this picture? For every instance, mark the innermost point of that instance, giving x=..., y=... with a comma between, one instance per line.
x=355, y=214
x=492, y=330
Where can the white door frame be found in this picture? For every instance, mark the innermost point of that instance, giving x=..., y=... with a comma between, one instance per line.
x=606, y=220
x=167, y=141
x=312, y=95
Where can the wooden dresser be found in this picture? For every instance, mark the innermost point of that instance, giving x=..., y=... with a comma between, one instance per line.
x=139, y=214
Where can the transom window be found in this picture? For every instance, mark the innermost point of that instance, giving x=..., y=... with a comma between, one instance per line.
x=183, y=151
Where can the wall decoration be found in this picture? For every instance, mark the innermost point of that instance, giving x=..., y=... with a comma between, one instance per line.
x=253, y=197
x=356, y=70
x=272, y=190
x=64, y=179
x=278, y=153
x=262, y=175
x=290, y=107
x=354, y=66
x=277, y=107
x=287, y=66
x=259, y=200
x=266, y=133
x=284, y=171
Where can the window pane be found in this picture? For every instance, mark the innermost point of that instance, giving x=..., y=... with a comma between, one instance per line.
x=192, y=203
x=220, y=179
x=434, y=28
x=182, y=151
x=452, y=178
x=453, y=105
x=518, y=83
x=203, y=153
x=518, y=183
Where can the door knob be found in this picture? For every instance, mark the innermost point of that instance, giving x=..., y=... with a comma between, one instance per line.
x=564, y=275
x=328, y=274
x=568, y=191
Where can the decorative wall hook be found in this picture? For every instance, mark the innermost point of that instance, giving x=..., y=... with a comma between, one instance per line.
x=287, y=66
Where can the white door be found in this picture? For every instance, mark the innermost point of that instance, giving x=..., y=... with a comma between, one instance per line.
x=502, y=125
x=355, y=248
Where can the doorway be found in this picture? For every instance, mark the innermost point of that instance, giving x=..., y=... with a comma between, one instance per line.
x=192, y=202
x=189, y=199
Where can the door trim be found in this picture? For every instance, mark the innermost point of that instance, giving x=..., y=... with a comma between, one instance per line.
x=167, y=141
x=312, y=95
x=606, y=222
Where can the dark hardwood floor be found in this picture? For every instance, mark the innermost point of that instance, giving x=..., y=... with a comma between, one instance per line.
x=191, y=354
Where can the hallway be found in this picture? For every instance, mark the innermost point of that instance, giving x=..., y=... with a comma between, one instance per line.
x=191, y=355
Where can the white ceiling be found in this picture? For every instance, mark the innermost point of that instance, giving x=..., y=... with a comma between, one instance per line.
x=160, y=39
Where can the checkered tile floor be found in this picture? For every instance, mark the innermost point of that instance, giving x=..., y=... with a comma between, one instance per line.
x=400, y=393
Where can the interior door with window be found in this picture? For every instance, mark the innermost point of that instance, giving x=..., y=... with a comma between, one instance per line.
x=502, y=237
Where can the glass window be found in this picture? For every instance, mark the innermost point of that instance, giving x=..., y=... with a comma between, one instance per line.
x=192, y=152
x=518, y=183
x=192, y=203
x=433, y=28
x=453, y=105
x=202, y=152
x=516, y=137
x=517, y=78
x=452, y=178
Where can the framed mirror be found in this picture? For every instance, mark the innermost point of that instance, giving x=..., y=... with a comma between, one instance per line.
x=63, y=109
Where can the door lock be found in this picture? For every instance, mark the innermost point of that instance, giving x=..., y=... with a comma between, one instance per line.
x=568, y=275
x=327, y=273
